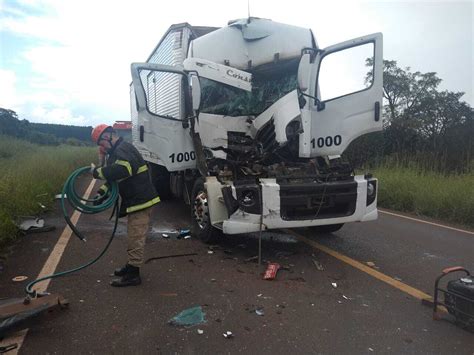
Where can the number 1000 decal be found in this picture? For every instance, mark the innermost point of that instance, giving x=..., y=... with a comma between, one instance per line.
x=328, y=141
x=180, y=157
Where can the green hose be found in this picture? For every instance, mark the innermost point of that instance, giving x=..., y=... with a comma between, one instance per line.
x=87, y=206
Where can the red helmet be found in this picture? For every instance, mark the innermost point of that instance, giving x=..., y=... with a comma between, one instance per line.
x=97, y=132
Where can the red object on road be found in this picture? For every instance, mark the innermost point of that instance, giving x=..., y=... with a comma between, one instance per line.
x=271, y=271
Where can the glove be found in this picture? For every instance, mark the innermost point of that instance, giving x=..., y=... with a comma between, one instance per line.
x=99, y=198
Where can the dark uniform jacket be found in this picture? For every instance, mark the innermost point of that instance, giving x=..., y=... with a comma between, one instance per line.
x=126, y=166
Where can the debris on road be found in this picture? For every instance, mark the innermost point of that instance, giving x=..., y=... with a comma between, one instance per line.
x=200, y=331
x=370, y=263
x=188, y=317
x=164, y=235
x=28, y=224
x=228, y=334
x=183, y=233
x=318, y=265
x=19, y=278
x=271, y=271
x=347, y=298
x=168, y=256
x=334, y=284
x=259, y=312
x=210, y=252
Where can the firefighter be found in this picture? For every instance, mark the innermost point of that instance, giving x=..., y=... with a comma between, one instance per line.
x=125, y=165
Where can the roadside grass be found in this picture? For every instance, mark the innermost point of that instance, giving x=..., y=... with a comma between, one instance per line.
x=31, y=175
x=410, y=189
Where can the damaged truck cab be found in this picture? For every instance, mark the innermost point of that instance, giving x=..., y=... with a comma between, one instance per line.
x=245, y=124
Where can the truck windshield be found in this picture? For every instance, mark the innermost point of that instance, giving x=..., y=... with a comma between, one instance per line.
x=221, y=99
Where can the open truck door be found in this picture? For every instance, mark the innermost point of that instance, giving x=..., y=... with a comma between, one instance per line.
x=162, y=105
x=343, y=88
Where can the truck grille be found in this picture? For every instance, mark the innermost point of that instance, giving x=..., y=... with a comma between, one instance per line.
x=303, y=201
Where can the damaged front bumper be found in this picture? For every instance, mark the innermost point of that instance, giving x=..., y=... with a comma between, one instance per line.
x=284, y=204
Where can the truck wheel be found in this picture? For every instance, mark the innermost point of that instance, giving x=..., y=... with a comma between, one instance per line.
x=330, y=228
x=201, y=220
x=160, y=178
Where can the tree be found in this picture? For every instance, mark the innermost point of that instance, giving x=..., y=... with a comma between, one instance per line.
x=420, y=119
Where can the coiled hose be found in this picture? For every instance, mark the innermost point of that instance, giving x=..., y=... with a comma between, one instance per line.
x=83, y=205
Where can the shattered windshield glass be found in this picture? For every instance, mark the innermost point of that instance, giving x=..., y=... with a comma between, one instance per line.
x=221, y=99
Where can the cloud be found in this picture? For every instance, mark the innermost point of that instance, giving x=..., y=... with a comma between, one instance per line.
x=58, y=116
x=75, y=55
x=8, y=95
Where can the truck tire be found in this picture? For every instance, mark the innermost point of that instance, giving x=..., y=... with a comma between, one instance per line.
x=201, y=221
x=330, y=228
x=160, y=178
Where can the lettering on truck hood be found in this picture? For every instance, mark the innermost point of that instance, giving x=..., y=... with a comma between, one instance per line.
x=221, y=73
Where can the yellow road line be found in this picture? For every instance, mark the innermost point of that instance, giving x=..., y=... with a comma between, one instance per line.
x=422, y=221
x=48, y=269
x=358, y=265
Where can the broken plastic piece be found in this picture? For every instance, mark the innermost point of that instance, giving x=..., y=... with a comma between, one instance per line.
x=228, y=334
x=19, y=278
x=318, y=265
x=271, y=271
x=184, y=232
x=31, y=223
x=188, y=317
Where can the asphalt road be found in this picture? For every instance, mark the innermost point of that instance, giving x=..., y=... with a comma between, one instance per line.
x=302, y=311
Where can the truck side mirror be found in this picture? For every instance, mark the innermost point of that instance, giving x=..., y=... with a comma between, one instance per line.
x=195, y=92
x=304, y=71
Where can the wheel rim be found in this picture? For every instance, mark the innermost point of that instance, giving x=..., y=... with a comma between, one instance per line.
x=201, y=210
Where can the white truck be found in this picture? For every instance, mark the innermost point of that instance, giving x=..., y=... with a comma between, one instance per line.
x=245, y=124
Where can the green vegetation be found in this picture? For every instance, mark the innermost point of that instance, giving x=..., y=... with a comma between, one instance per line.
x=42, y=133
x=31, y=175
x=427, y=193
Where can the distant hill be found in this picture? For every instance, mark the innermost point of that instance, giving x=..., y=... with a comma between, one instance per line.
x=42, y=133
x=63, y=131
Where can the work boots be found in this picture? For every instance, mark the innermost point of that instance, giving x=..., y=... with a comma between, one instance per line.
x=129, y=276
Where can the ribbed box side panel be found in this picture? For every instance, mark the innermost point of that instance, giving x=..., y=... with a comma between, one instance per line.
x=163, y=90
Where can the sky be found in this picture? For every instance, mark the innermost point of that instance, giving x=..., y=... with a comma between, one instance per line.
x=68, y=61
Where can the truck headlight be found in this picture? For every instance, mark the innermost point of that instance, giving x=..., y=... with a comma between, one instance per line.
x=248, y=197
x=371, y=191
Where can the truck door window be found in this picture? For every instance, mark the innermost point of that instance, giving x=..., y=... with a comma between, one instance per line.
x=163, y=94
x=344, y=72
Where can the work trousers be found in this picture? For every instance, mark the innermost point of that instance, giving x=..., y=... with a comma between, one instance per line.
x=137, y=228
